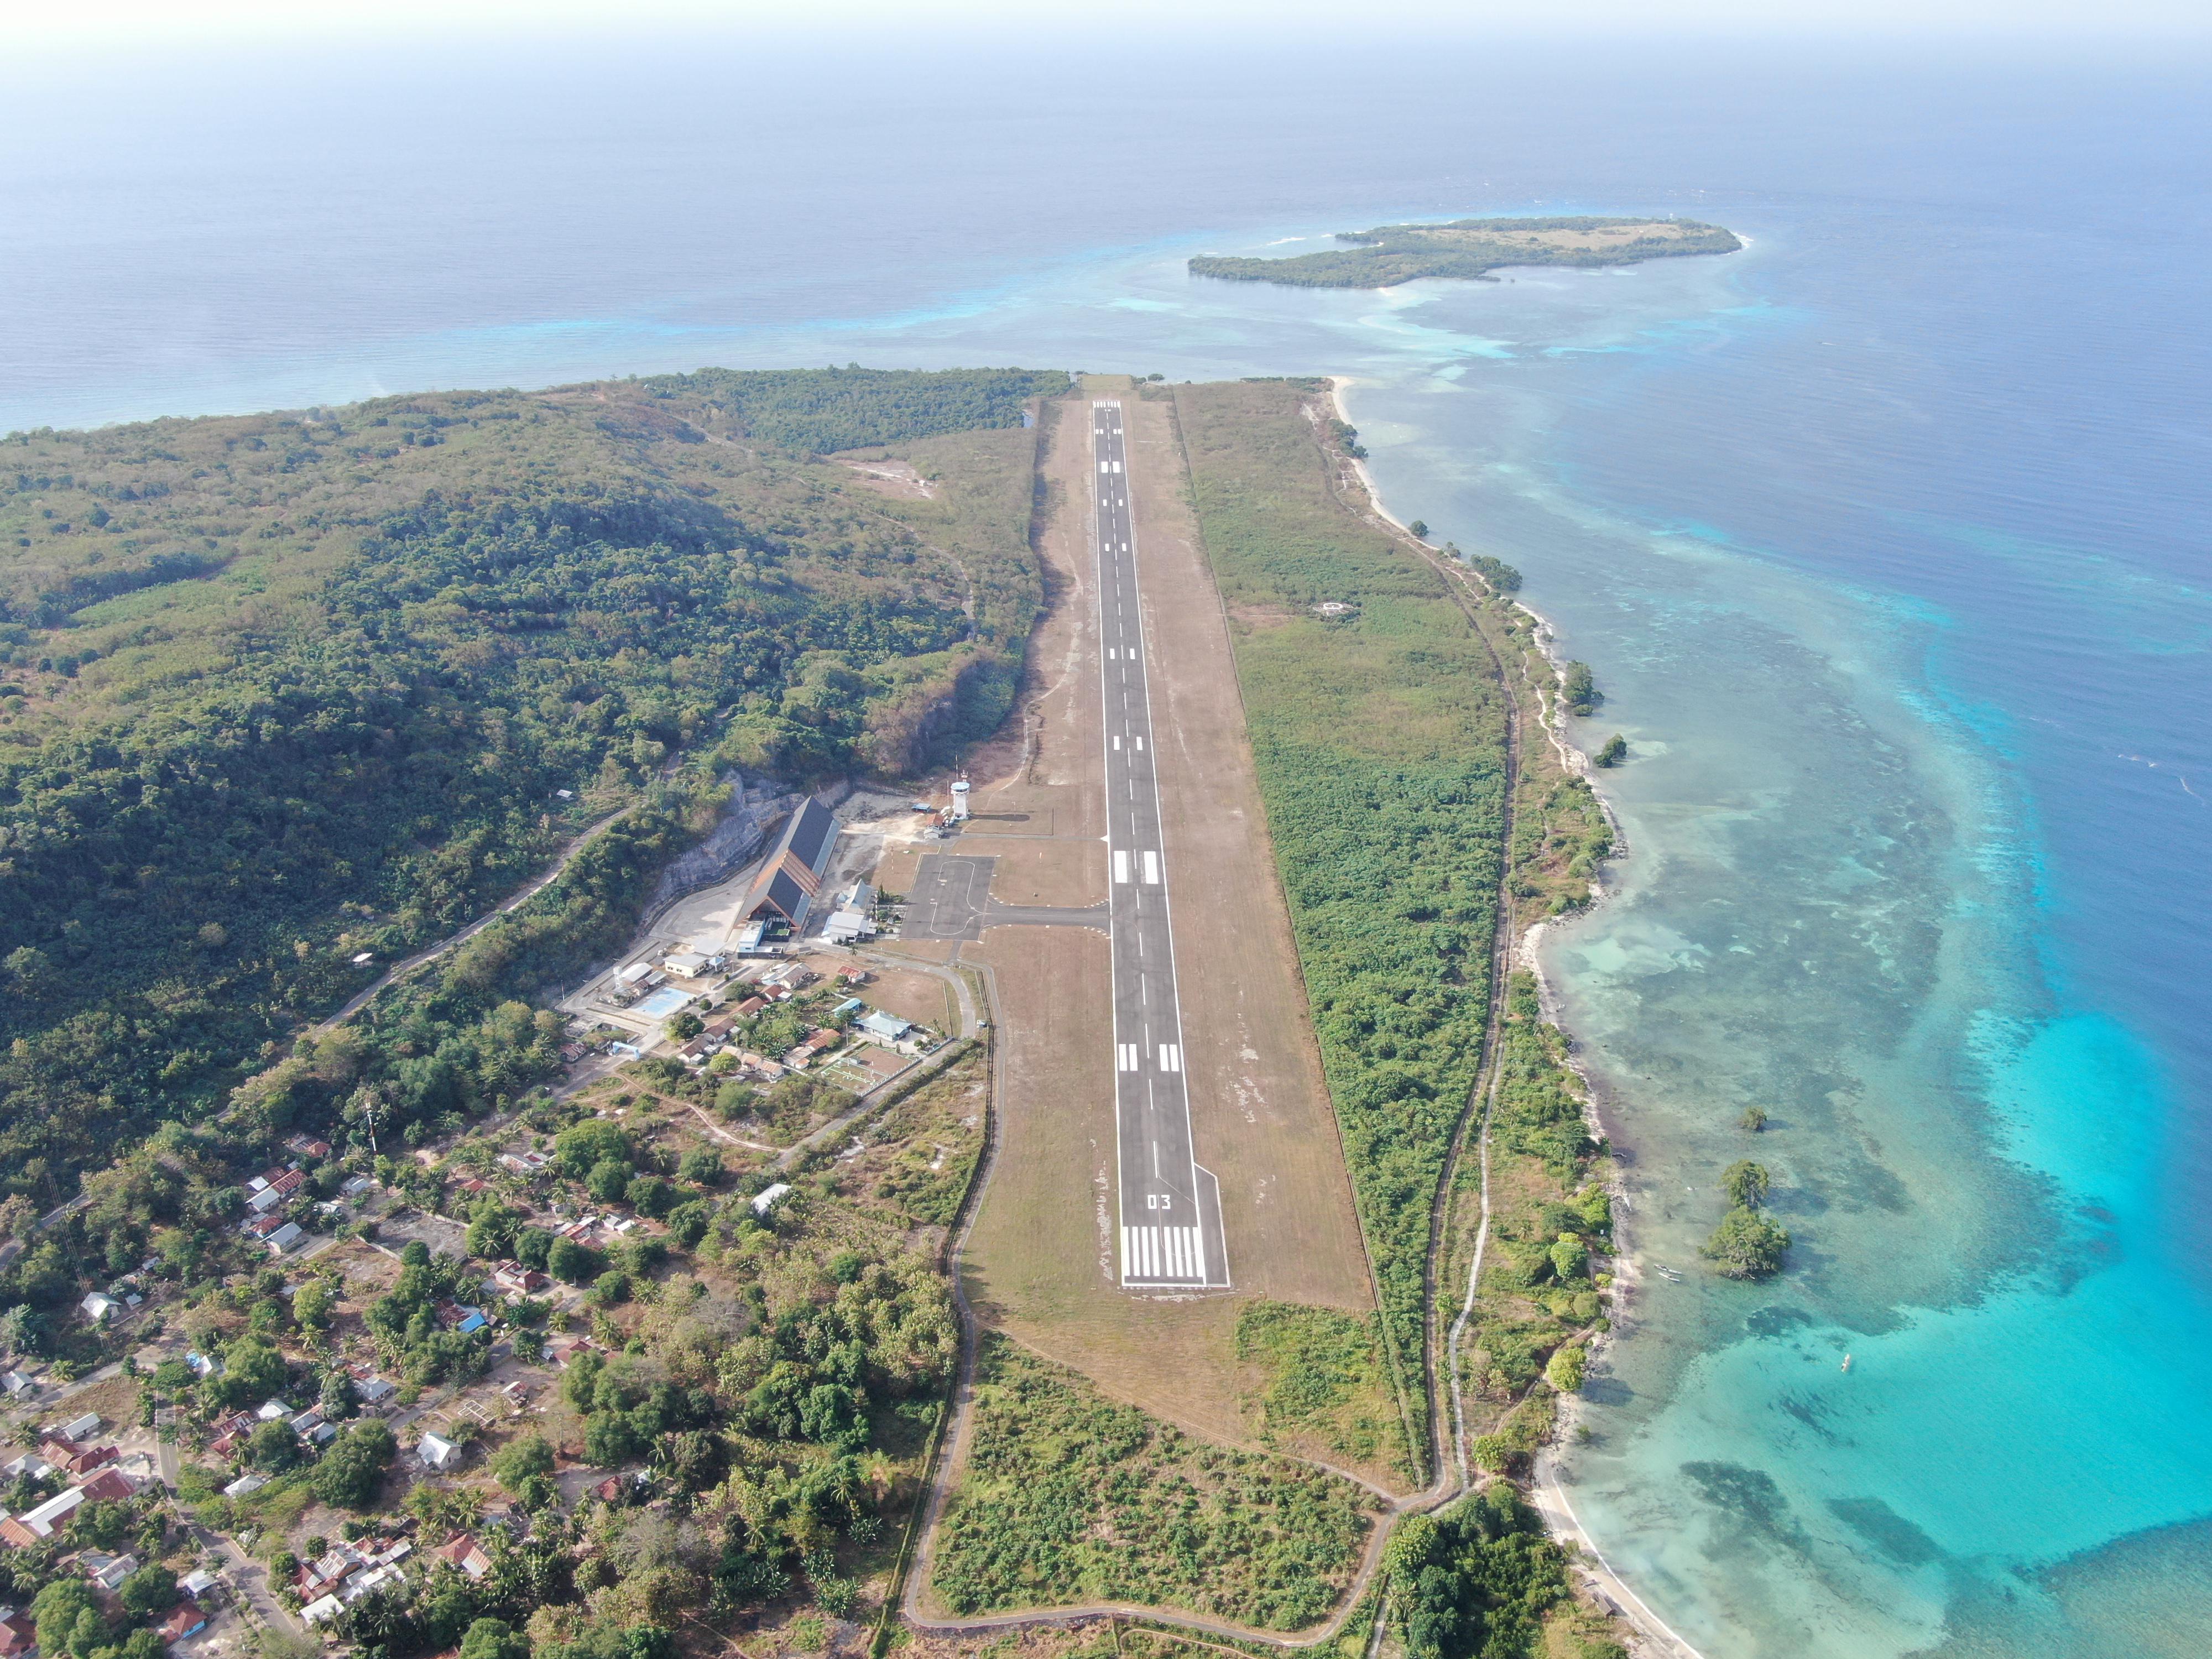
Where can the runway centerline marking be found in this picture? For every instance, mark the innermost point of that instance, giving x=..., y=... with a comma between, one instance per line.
x=1170, y=1217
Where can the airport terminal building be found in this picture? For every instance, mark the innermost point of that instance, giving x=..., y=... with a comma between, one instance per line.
x=786, y=888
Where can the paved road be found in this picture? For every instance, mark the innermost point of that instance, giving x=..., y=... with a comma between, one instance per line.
x=53, y=1218
x=1171, y=1207
x=250, y=1580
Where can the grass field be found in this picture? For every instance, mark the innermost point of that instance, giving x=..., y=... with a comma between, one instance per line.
x=1323, y=1392
x=1070, y=1498
x=1379, y=733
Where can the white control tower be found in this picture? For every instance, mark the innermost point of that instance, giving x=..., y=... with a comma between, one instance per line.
x=960, y=802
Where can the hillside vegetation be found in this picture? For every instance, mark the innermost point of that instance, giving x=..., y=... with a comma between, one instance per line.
x=280, y=691
x=1472, y=248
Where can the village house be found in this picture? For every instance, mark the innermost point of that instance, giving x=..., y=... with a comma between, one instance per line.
x=79, y=1464
x=184, y=1619
x=468, y=1555
x=34, y=1526
x=518, y=1280
x=107, y=1571
x=110, y=1485
x=434, y=1451
x=880, y=1027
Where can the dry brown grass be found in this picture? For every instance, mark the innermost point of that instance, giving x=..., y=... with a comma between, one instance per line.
x=1040, y=871
x=923, y=998
x=894, y=871
x=115, y=1401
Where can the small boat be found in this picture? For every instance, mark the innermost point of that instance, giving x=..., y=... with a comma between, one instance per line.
x=1847, y=1362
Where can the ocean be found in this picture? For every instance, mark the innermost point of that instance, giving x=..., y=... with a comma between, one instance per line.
x=1886, y=540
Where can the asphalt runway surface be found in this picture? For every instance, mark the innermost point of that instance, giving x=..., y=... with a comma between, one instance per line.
x=951, y=900
x=1171, y=1235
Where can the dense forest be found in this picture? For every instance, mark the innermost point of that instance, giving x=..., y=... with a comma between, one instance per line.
x=1472, y=248
x=277, y=692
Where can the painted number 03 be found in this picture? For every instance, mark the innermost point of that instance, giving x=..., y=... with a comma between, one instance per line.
x=1159, y=1200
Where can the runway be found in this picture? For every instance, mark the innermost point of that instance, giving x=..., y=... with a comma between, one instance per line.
x=1171, y=1208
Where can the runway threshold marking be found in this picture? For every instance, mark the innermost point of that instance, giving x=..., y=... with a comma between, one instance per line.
x=1171, y=1213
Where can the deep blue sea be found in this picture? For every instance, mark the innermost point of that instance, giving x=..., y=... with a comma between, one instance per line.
x=1888, y=539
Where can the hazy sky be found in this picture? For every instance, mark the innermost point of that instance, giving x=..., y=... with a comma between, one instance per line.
x=152, y=23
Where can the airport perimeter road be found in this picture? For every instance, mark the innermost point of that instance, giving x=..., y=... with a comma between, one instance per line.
x=1171, y=1208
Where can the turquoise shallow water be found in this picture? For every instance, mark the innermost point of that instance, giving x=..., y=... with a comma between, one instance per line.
x=1885, y=538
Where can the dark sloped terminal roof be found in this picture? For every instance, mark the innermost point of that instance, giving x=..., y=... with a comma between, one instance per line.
x=809, y=832
x=787, y=882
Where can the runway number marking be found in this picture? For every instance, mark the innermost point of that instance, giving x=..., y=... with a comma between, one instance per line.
x=1167, y=1211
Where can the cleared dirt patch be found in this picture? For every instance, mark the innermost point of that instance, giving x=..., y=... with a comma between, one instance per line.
x=897, y=478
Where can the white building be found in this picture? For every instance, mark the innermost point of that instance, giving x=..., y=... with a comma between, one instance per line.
x=883, y=1027
x=108, y=1571
x=53, y=1515
x=434, y=1451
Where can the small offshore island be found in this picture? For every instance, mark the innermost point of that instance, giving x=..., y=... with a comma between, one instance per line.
x=1473, y=248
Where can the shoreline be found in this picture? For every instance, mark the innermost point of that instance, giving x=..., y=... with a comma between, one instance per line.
x=1547, y=1493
